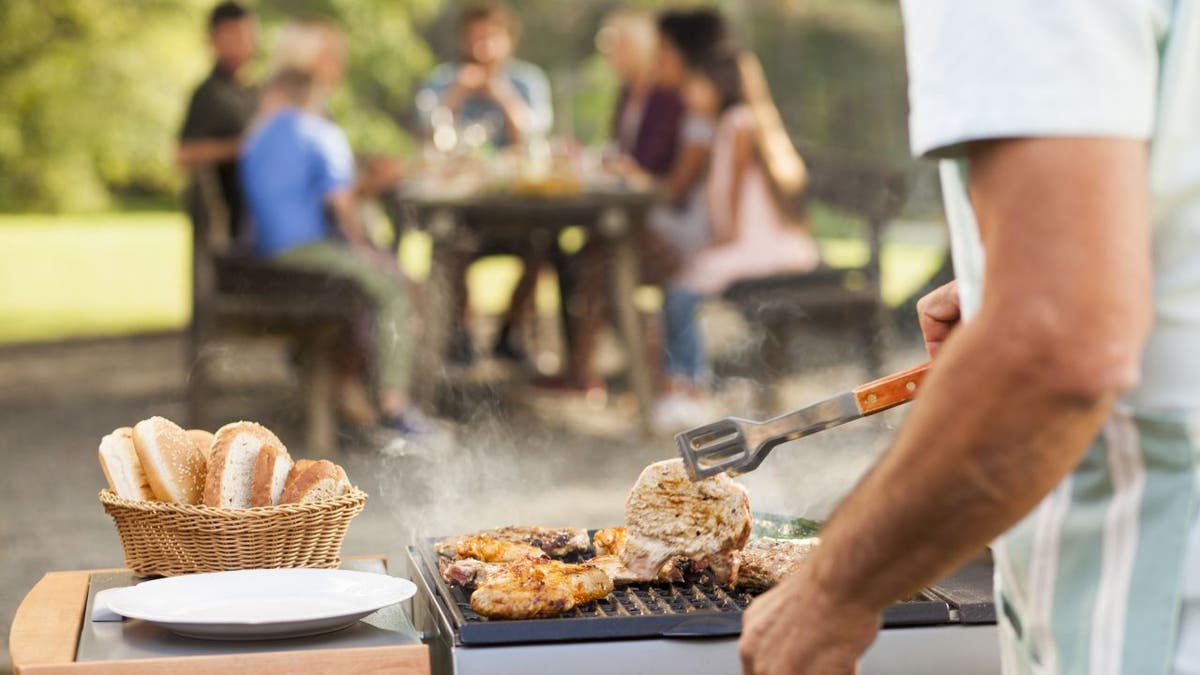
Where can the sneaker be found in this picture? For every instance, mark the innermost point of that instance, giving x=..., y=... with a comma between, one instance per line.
x=411, y=422
x=507, y=350
x=674, y=413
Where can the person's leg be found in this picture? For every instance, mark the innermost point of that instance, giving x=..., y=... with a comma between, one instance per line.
x=591, y=298
x=684, y=351
x=458, y=347
x=388, y=294
x=520, y=304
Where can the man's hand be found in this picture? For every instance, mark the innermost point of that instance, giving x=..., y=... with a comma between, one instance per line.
x=796, y=628
x=471, y=77
x=938, y=312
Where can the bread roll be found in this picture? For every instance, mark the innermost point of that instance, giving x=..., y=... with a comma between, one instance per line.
x=231, y=465
x=122, y=468
x=203, y=440
x=271, y=470
x=173, y=465
x=318, y=481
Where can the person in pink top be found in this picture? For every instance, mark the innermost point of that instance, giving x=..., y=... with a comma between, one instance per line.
x=753, y=176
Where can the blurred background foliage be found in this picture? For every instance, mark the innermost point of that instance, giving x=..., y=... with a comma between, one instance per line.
x=94, y=90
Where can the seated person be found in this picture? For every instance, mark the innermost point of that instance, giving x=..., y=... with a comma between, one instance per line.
x=670, y=143
x=510, y=100
x=223, y=105
x=649, y=109
x=298, y=174
x=754, y=175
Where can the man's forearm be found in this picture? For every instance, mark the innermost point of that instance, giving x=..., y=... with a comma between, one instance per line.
x=343, y=205
x=982, y=446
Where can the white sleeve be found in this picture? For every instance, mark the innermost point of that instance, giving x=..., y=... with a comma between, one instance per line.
x=983, y=69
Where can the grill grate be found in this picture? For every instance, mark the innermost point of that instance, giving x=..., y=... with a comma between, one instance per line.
x=699, y=595
x=697, y=607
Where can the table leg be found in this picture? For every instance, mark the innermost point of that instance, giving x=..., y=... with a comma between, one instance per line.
x=625, y=282
x=438, y=316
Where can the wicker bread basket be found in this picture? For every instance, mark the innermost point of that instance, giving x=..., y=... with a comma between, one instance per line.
x=170, y=539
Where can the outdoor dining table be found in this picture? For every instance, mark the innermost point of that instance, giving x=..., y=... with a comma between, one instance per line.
x=50, y=635
x=456, y=225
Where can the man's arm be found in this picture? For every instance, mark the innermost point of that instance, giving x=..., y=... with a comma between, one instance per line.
x=344, y=205
x=1014, y=396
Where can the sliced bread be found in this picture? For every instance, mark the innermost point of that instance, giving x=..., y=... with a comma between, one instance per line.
x=231, y=466
x=271, y=470
x=122, y=468
x=173, y=465
x=203, y=440
x=317, y=481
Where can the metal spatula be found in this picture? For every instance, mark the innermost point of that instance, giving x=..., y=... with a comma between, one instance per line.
x=738, y=446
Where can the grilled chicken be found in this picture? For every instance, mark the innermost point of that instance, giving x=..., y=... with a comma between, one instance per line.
x=556, y=542
x=668, y=515
x=528, y=589
x=492, y=550
x=610, y=541
x=766, y=561
x=468, y=571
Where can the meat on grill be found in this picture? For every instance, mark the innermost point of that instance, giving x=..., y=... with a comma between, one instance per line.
x=610, y=541
x=492, y=550
x=533, y=588
x=556, y=542
x=668, y=515
x=468, y=571
x=766, y=561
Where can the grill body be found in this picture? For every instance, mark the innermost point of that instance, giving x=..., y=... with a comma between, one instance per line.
x=689, y=629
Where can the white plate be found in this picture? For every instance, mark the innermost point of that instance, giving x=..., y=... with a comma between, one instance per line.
x=260, y=604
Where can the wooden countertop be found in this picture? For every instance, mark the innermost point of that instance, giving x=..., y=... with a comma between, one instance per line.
x=45, y=635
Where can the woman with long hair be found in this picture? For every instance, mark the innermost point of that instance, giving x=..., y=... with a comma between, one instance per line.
x=753, y=178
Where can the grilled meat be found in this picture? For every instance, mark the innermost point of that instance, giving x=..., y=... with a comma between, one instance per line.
x=556, y=542
x=492, y=550
x=610, y=541
x=468, y=571
x=668, y=515
x=766, y=561
x=529, y=588
x=621, y=576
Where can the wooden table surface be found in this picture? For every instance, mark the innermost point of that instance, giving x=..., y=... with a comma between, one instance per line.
x=45, y=635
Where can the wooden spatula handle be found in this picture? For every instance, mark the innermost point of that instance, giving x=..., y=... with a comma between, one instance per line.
x=891, y=390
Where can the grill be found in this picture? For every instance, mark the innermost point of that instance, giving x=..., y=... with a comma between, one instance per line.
x=695, y=608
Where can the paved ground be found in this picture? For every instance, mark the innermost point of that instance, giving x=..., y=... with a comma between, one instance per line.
x=554, y=461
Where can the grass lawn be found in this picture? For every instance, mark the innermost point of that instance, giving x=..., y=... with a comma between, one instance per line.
x=112, y=274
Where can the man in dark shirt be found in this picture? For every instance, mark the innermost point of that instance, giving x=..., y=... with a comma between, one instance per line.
x=223, y=105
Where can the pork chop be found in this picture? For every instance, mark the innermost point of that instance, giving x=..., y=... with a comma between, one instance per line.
x=668, y=515
x=765, y=561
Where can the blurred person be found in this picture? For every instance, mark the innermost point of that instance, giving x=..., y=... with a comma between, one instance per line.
x=222, y=106
x=754, y=176
x=315, y=47
x=299, y=178
x=510, y=100
x=508, y=97
x=1059, y=425
x=677, y=228
x=647, y=116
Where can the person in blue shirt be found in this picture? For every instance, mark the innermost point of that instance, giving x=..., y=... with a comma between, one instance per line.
x=509, y=100
x=298, y=175
x=508, y=97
